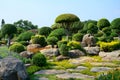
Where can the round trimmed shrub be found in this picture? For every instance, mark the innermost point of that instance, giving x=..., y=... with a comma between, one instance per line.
x=52, y=40
x=62, y=42
x=38, y=39
x=74, y=45
x=39, y=60
x=63, y=50
x=17, y=47
x=77, y=37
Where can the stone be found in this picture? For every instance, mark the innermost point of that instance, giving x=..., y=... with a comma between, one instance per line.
x=61, y=57
x=33, y=48
x=69, y=76
x=110, y=56
x=50, y=52
x=75, y=53
x=78, y=69
x=100, y=69
x=12, y=69
x=50, y=72
x=88, y=40
x=41, y=78
x=26, y=54
x=92, y=50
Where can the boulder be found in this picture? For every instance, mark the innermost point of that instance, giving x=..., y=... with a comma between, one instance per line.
x=92, y=50
x=26, y=54
x=61, y=57
x=75, y=53
x=100, y=69
x=33, y=48
x=88, y=40
x=12, y=69
x=50, y=52
x=110, y=56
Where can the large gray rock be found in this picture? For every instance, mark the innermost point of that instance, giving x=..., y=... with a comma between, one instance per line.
x=61, y=57
x=109, y=56
x=75, y=53
x=92, y=50
x=88, y=40
x=50, y=52
x=12, y=69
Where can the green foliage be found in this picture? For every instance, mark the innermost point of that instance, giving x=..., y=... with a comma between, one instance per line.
x=44, y=31
x=112, y=75
x=107, y=31
x=77, y=37
x=66, y=18
x=109, y=46
x=63, y=50
x=39, y=60
x=58, y=33
x=25, y=43
x=56, y=26
x=32, y=69
x=26, y=36
x=39, y=39
x=74, y=45
x=8, y=29
x=61, y=42
x=25, y=24
x=17, y=47
x=115, y=24
x=99, y=34
x=102, y=23
x=52, y=40
x=92, y=28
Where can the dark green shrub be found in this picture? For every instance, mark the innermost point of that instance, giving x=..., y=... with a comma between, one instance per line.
x=39, y=60
x=52, y=40
x=44, y=31
x=63, y=50
x=99, y=34
x=107, y=31
x=112, y=75
x=17, y=47
x=58, y=33
x=26, y=36
x=32, y=69
x=38, y=39
x=77, y=37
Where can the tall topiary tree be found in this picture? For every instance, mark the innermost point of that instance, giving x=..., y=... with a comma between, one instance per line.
x=92, y=28
x=102, y=23
x=9, y=30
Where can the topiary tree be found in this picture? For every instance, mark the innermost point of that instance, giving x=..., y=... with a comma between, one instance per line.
x=44, y=31
x=92, y=28
x=77, y=37
x=17, y=47
x=39, y=60
x=102, y=23
x=39, y=39
x=56, y=26
x=58, y=33
x=9, y=30
x=115, y=25
x=52, y=40
x=66, y=20
x=26, y=36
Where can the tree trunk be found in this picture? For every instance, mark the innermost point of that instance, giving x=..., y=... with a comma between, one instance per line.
x=8, y=43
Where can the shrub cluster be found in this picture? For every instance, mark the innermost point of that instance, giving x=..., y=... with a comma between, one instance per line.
x=39, y=60
x=109, y=46
x=52, y=40
x=17, y=47
x=63, y=50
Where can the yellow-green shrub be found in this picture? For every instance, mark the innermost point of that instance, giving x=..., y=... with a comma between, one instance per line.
x=109, y=46
x=74, y=45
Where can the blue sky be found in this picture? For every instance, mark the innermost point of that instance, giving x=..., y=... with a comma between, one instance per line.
x=44, y=12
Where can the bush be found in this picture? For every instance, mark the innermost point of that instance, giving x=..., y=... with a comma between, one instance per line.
x=26, y=36
x=17, y=47
x=38, y=39
x=109, y=46
x=32, y=69
x=112, y=75
x=25, y=43
x=39, y=60
x=62, y=42
x=52, y=40
x=64, y=50
x=77, y=37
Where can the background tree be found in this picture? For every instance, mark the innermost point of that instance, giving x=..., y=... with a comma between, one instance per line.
x=2, y=22
x=115, y=25
x=102, y=23
x=9, y=30
x=44, y=31
x=25, y=25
